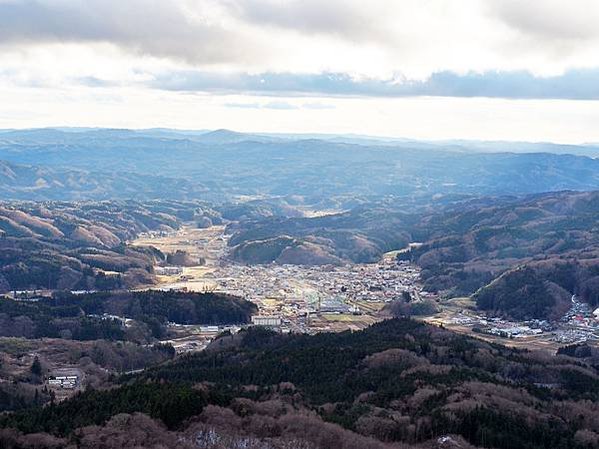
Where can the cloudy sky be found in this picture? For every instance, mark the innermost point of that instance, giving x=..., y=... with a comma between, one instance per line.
x=431, y=69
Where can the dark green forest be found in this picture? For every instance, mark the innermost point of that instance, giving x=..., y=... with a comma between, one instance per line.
x=91, y=316
x=397, y=380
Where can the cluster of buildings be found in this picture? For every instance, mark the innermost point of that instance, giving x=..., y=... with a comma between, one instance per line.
x=65, y=379
x=155, y=234
x=28, y=295
x=267, y=320
x=168, y=271
x=378, y=282
x=192, y=338
x=580, y=313
x=291, y=294
x=498, y=326
x=125, y=322
x=508, y=329
x=580, y=323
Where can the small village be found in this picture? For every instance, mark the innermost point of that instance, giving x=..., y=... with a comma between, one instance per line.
x=304, y=299
x=294, y=292
x=292, y=298
x=579, y=324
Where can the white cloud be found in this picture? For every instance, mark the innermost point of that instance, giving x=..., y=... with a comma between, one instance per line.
x=136, y=50
x=376, y=38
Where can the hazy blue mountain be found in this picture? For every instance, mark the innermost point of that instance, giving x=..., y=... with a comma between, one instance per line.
x=28, y=182
x=319, y=172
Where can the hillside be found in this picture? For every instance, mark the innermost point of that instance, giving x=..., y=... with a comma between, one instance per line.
x=545, y=247
x=87, y=316
x=396, y=381
x=359, y=235
x=82, y=246
x=41, y=183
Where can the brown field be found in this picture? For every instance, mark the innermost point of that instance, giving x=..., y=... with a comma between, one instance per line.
x=341, y=322
x=373, y=307
x=209, y=244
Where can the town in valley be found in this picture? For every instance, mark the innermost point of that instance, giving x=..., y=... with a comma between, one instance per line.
x=331, y=298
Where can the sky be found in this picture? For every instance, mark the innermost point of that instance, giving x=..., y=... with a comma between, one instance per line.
x=425, y=69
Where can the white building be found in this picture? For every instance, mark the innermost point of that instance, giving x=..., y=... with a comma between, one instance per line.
x=264, y=320
x=68, y=382
x=168, y=271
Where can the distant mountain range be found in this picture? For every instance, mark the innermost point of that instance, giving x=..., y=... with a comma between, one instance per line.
x=331, y=172
x=30, y=182
x=222, y=136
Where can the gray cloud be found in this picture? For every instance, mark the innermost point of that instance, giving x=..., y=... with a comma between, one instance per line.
x=153, y=27
x=353, y=20
x=574, y=85
x=550, y=19
x=179, y=29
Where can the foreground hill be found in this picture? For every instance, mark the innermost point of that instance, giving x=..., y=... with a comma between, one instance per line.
x=397, y=381
x=93, y=316
x=97, y=335
x=82, y=246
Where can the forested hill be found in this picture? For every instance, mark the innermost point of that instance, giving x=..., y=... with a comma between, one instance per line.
x=395, y=381
x=81, y=245
x=359, y=235
x=91, y=316
x=544, y=247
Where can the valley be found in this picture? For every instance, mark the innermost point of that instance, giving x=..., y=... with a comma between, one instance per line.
x=273, y=290
x=305, y=299
x=329, y=298
x=286, y=224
